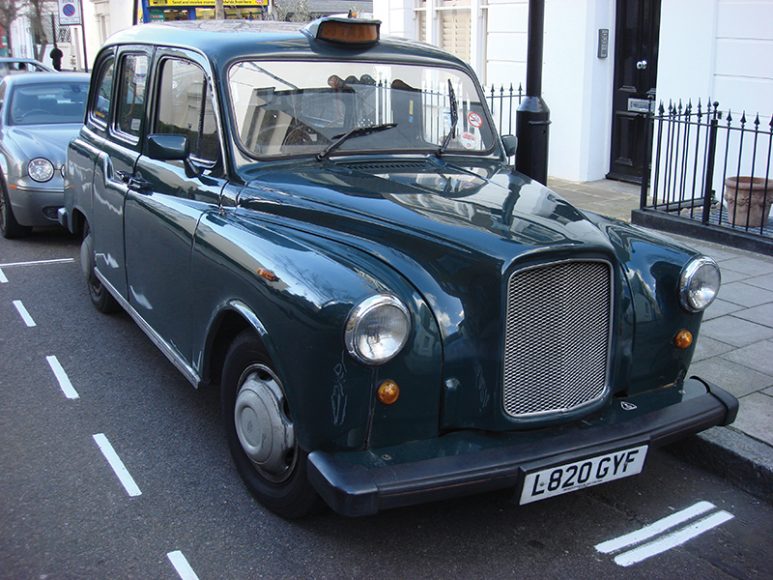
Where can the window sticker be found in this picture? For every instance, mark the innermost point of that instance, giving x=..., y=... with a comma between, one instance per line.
x=469, y=141
x=474, y=119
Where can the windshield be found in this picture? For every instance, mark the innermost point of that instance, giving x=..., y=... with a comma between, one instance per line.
x=302, y=108
x=48, y=103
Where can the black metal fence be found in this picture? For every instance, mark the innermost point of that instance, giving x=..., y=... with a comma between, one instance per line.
x=711, y=168
x=503, y=104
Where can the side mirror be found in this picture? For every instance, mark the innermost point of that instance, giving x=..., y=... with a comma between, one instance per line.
x=167, y=147
x=510, y=143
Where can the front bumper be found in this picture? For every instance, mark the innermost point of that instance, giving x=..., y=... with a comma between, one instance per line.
x=358, y=483
x=36, y=207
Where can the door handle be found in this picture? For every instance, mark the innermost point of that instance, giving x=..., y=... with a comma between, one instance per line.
x=139, y=184
x=124, y=176
x=641, y=65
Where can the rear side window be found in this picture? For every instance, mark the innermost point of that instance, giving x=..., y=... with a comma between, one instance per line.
x=185, y=108
x=131, y=94
x=100, y=110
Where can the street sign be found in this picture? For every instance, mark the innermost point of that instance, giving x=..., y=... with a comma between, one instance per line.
x=69, y=13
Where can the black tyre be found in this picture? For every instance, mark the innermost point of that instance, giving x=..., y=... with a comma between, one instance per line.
x=9, y=227
x=260, y=431
x=100, y=297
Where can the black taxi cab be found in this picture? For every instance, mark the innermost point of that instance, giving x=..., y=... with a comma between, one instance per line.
x=322, y=223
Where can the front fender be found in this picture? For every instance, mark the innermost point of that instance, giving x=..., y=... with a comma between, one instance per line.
x=301, y=294
x=652, y=265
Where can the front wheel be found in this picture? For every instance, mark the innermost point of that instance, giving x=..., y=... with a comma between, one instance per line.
x=261, y=433
x=100, y=297
x=9, y=227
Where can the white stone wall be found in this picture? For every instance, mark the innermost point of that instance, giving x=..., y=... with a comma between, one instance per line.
x=721, y=49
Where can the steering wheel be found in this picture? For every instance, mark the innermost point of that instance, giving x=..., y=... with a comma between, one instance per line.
x=298, y=135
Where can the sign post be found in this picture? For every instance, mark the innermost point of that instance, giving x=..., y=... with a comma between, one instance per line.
x=71, y=14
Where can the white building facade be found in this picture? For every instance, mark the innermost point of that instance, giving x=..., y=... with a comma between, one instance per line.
x=603, y=59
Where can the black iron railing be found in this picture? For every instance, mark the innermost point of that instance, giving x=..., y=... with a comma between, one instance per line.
x=711, y=167
x=503, y=104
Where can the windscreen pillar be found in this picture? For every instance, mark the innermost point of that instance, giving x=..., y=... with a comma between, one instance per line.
x=533, y=115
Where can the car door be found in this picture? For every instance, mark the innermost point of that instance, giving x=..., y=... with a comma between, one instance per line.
x=119, y=114
x=167, y=196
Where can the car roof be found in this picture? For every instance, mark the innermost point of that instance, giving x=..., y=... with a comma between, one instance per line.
x=17, y=60
x=45, y=77
x=224, y=40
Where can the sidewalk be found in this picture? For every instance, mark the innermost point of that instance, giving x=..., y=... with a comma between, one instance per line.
x=734, y=348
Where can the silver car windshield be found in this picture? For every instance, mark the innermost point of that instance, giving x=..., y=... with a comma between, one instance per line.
x=48, y=103
x=284, y=108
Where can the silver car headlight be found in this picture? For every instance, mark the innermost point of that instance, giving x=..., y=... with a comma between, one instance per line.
x=377, y=329
x=699, y=284
x=40, y=169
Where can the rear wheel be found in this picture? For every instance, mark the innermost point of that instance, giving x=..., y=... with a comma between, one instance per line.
x=261, y=433
x=9, y=227
x=100, y=297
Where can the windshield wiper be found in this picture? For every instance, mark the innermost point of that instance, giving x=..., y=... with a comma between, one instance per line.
x=454, y=118
x=356, y=132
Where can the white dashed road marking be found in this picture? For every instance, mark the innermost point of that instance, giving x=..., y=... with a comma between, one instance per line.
x=38, y=262
x=667, y=541
x=181, y=565
x=3, y=279
x=118, y=467
x=25, y=316
x=61, y=376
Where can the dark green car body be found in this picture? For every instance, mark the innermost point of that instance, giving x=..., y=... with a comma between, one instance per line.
x=288, y=247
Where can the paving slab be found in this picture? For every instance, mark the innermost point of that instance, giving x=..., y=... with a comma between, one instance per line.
x=755, y=416
x=765, y=282
x=745, y=294
x=719, y=308
x=757, y=356
x=736, y=379
x=713, y=251
x=760, y=314
x=748, y=265
x=729, y=276
x=736, y=331
x=708, y=347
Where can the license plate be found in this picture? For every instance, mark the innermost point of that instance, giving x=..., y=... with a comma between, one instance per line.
x=569, y=477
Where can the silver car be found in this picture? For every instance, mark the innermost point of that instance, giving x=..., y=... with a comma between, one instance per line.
x=39, y=115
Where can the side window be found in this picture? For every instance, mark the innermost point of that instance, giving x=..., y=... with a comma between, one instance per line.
x=131, y=94
x=100, y=106
x=185, y=108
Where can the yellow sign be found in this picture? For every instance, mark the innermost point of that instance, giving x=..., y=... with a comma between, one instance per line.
x=203, y=3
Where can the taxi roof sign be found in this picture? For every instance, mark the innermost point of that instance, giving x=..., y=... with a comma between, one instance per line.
x=353, y=31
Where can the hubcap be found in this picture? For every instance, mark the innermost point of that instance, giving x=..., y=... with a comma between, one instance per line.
x=265, y=432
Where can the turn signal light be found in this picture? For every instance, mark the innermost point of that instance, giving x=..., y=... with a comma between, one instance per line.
x=388, y=392
x=683, y=339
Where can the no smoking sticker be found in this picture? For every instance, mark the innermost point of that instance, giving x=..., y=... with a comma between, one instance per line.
x=474, y=120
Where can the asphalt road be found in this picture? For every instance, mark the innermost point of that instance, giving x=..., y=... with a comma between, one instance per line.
x=65, y=513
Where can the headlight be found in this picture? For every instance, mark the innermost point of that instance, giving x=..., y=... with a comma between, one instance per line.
x=40, y=169
x=699, y=284
x=377, y=329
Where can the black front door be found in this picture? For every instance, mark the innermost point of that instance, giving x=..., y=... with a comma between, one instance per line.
x=636, y=70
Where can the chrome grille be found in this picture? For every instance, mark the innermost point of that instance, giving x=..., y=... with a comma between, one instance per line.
x=557, y=337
